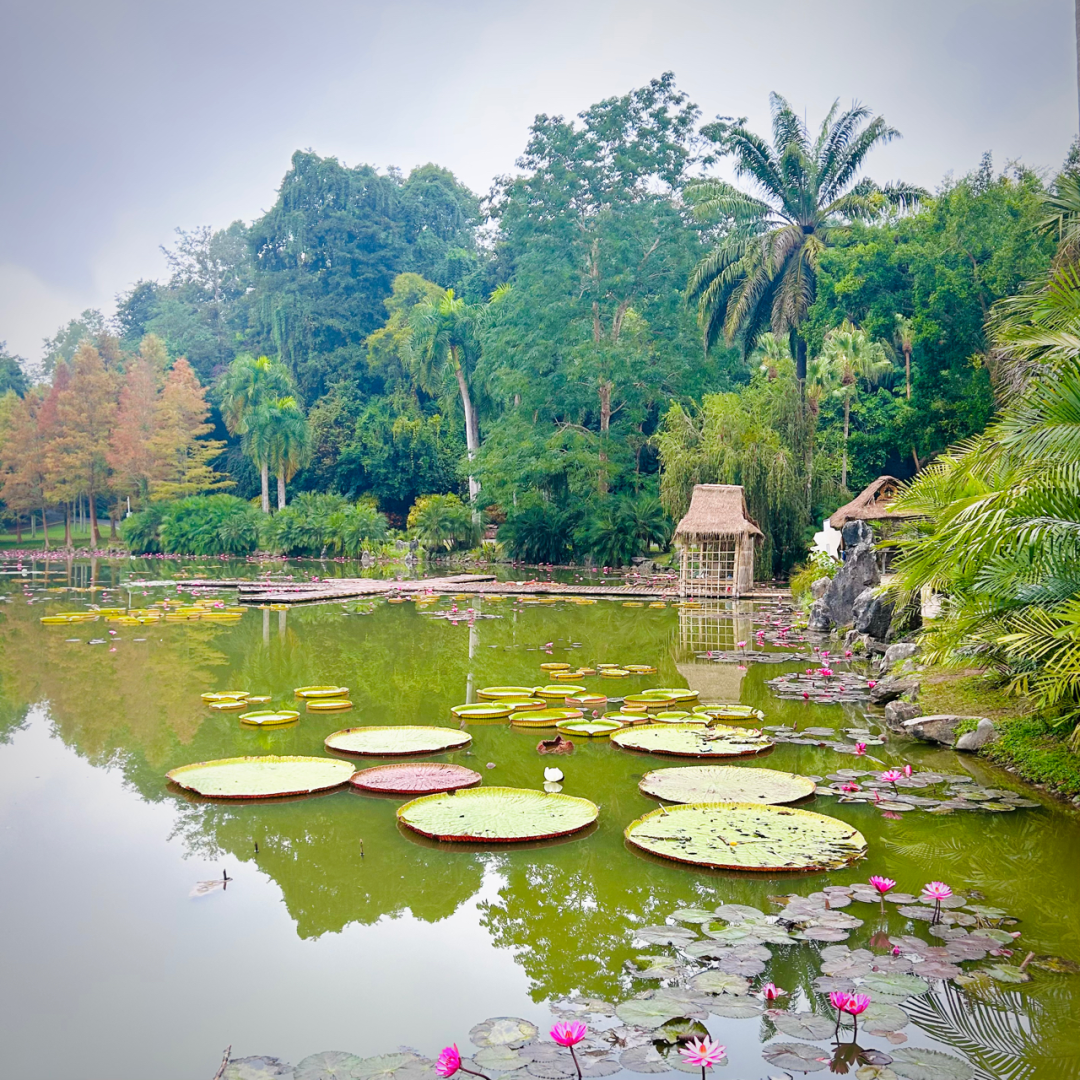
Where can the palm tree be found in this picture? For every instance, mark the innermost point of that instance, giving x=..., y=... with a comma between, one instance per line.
x=848, y=356
x=247, y=385
x=905, y=336
x=289, y=439
x=762, y=272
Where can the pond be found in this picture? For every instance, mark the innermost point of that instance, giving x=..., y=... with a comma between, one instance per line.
x=344, y=931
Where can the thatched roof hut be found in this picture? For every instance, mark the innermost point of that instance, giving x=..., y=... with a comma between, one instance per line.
x=872, y=504
x=716, y=538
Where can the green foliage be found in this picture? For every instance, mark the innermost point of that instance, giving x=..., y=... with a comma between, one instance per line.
x=444, y=521
x=12, y=375
x=819, y=565
x=540, y=533
x=199, y=525
x=315, y=524
x=141, y=530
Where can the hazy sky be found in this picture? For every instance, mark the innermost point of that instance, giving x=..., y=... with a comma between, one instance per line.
x=122, y=119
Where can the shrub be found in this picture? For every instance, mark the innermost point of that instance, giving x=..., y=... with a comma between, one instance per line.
x=540, y=533
x=315, y=524
x=209, y=525
x=444, y=521
x=140, y=530
x=819, y=565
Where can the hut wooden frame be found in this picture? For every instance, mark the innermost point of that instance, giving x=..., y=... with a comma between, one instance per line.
x=716, y=540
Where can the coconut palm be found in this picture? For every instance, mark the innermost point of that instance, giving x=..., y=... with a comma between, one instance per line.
x=289, y=439
x=847, y=356
x=762, y=272
x=905, y=338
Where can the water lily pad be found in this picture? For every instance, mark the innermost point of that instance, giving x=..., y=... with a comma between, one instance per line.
x=386, y=1065
x=644, y=1059
x=329, y=705
x=917, y=1063
x=664, y=935
x=718, y=982
x=503, y=1031
x=590, y=729
x=798, y=1057
x=656, y=1007
x=492, y=711
x=419, y=778
x=880, y=1018
x=257, y=1068
x=738, y=912
x=402, y=739
x=653, y=967
x=269, y=717
x=895, y=985
x=492, y=693
x=1004, y=973
x=328, y=1065
x=543, y=718
x=321, y=692
x=499, y=814
x=744, y=836
x=725, y=783
x=804, y=1025
x=559, y=693
x=691, y=740
x=693, y=915
x=261, y=777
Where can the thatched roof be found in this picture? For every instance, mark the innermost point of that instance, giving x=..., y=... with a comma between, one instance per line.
x=716, y=510
x=872, y=504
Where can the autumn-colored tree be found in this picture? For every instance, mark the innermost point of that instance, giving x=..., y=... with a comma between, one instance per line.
x=77, y=455
x=181, y=455
x=131, y=456
x=56, y=489
x=22, y=473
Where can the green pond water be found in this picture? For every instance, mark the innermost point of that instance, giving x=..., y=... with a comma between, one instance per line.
x=346, y=932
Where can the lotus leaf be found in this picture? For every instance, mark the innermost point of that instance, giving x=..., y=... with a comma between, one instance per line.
x=917, y=1063
x=896, y=985
x=799, y=1057
x=543, y=718
x=329, y=1065
x=261, y=777
x=725, y=783
x=691, y=740
x=644, y=1059
x=664, y=935
x=421, y=778
x=269, y=717
x=717, y=982
x=503, y=1031
x=744, y=836
x=804, y=1025
x=257, y=1068
x=500, y=814
x=656, y=1007
x=397, y=740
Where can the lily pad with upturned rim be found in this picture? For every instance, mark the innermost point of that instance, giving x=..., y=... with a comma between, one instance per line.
x=691, y=740
x=264, y=777
x=747, y=836
x=544, y=718
x=590, y=729
x=725, y=783
x=560, y=693
x=415, y=778
x=321, y=691
x=493, y=711
x=328, y=705
x=396, y=740
x=498, y=814
x=269, y=717
x=491, y=693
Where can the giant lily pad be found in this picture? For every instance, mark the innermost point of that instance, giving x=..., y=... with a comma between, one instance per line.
x=500, y=814
x=261, y=777
x=917, y=1063
x=269, y=717
x=321, y=691
x=725, y=783
x=560, y=693
x=494, y=693
x=397, y=740
x=421, y=778
x=544, y=718
x=591, y=729
x=691, y=740
x=746, y=836
x=494, y=711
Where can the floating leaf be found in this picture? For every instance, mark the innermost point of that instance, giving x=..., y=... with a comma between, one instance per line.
x=261, y=777
x=917, y=1063
x=738, y=912
x=257, y=1068
x=664, y=935
x=543, y=718
x=1006, y=974
x=419, y=778
x=1057, y=964
x=591, y=729
x=656, y=1007
x=644, y=1059
x=691, y=740
x=269, y=717
x=693, y=915
x=895, y=985
x=881, y=1017
x=386, y=1065
x=493, y=711
x=804, y=1025
x=725, y=783
x=493, y=693
x=718, y=982
x=799, y=1057
x=743, y=836
x=328, y=1065
x=731, y=1008
x=503, y=1031
x=653, y=967
x=398, y=740
x=500, y=814
x=321, y=692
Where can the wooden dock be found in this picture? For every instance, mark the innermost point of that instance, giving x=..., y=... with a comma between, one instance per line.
x=338, y=589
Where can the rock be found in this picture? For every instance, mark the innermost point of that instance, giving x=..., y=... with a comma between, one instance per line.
x=890, y=688
x=855, y=533
x=817, y=588
x=859, y=573
x=819, y=617
x=982, y=735
x=939, y=728
x=897, y=653
x=896, y=712
x=871, y=614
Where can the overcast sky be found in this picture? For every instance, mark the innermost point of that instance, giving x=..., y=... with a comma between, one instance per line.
x=122, y=119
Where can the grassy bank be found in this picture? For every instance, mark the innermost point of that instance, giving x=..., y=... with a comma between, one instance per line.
x=1030, y=746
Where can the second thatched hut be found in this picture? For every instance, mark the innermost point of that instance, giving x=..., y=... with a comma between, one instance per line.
x=716, y=541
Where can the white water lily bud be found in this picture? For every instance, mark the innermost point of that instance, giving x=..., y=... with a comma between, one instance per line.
x=553, y=776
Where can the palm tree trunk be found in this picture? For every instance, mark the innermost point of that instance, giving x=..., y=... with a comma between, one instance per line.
x=265, y=476
x=847, y=418
x=907, y=371
x=281, y=490
x=472, y=443
x=605, y=426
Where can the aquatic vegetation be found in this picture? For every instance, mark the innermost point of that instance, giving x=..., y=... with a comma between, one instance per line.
x=396, y=740
x=725, y=783
x=261, y=777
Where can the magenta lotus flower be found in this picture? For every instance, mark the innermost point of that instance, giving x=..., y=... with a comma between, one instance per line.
x=870, y=684
x=741, y=644
x=449, y=1061
x=847, y=654
x=860, y=749
x=704, y=1053
x=896, y=950
x=770, y=991
x=825, y=671
x=569, y=1034
x=857, y=1004
x=890, y=776
x=882, y=884
x=937, y=890
x=907, y=770
x=849, y=788
x=852, y=1004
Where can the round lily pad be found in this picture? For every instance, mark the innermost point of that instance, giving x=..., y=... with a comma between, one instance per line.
x=494, y=711
x=329, y=1065
x=804, y=1025
x=691, y=740
x=725, y=783
x=503, y=1031
x=591, y=729
x=492, y=693
x=261, y=777
x=228, y=704
x=654, y=1008
x=257, y=1068
x=796, y=1057
x=649, y=700
x=419, y=778
x=500, y=814
x=321, y=691
x=918, y=1063
x=544, y=718
x=225, y=695
x=397, y=740
x=560, y=692
x=269, y=717
x=329, y=705
x=746, y=836
x=895, y=985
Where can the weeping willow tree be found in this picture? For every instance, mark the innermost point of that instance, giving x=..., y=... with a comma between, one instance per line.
x=760, y=438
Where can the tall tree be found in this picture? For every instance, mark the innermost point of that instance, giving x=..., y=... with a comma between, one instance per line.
x=22, y=457
x=131, y=456
x=762, y=272
x=12, y=372
x=283, y=428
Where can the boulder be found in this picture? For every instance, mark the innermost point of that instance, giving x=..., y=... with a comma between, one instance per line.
x=819, y=617
x=896, y=712
x=871, y=614
x=818, y=587
x=939, y=727
x=855, y=533
x=890, y=688
x=982, y=735
x=859, y=573
x=898, y=652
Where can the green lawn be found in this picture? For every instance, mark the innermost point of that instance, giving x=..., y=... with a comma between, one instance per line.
x=79, y=537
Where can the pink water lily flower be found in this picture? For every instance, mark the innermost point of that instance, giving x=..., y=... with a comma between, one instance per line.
x=825, y=671
x=907, y=770
x=937, y=890
x=870, y=684
x=882, y=884
x=770, y=991
x=569, y=1033
x=860, y=749
x=849, y=788
x=741, y=644
x=449, y=1061
x=704, y=1053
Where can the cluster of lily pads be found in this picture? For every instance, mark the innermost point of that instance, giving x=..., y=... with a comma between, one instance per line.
x=316, y=698
x=823, y=686
x=163, y=611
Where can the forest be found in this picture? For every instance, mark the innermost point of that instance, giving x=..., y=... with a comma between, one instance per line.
x=561, y=358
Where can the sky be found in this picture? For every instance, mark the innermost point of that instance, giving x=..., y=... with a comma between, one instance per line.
x=125, y=119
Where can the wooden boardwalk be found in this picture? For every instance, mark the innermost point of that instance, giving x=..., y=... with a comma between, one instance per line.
x=336, y=589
